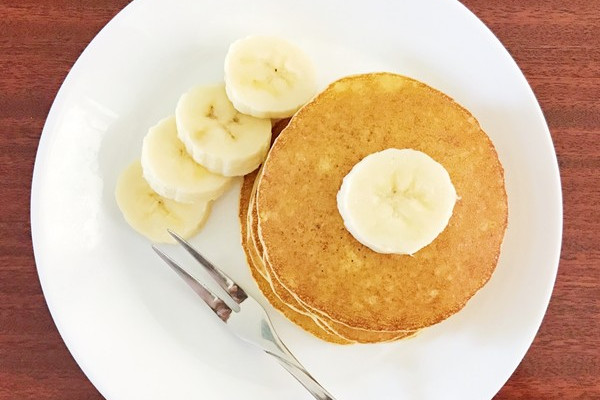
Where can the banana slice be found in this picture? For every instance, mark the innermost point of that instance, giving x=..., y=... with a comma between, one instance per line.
x=268, y=77
x=151, y=214
x=396, y=201
x=219, y=137
x=172, y=173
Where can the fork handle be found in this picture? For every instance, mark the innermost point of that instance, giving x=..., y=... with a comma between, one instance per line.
x=305, y=379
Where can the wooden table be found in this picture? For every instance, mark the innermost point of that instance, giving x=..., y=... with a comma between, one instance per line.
x=555, y=42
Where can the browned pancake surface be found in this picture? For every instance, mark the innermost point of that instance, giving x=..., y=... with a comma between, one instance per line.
x=282, y=300
x=303, y=236
x=346, y=332
x=304, y=321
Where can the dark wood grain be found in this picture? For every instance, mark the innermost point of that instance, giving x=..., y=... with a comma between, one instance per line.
x=557, y=45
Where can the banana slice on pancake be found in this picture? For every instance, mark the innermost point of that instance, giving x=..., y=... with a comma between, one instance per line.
x=268, y=77
x=219, y=137
x=151, y=214
x=396, y=200
x=170, y=170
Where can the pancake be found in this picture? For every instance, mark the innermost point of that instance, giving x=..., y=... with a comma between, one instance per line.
x=301, y=320
x=257, y=269
x=255, y=256
x=254, y=251
x=305, y=244
x=283, y=300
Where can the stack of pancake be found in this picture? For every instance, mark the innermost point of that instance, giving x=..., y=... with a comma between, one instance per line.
x=313, y=270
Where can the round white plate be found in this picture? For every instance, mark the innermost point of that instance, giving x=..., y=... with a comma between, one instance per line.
x=134, y=327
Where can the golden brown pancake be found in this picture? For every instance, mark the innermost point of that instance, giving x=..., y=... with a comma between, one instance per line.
x=311, y=254
x=288, y=305
x=257, y=268
x=301, y=320
x=253, y=254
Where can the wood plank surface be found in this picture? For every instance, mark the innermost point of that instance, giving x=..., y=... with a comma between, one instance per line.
x=555, y=42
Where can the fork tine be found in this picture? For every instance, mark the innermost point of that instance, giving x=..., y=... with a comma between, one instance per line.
x=218, y=306
x=236, y=292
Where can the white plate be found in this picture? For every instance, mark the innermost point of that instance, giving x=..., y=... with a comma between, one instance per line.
x=134, y=327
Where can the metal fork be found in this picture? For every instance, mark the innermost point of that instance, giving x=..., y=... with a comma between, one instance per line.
x=245, y=316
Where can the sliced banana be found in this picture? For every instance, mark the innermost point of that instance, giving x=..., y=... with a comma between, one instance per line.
x=170, y=170
x=268, y=77
x=219, y=137
x=151, y=214
x=396, y=200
